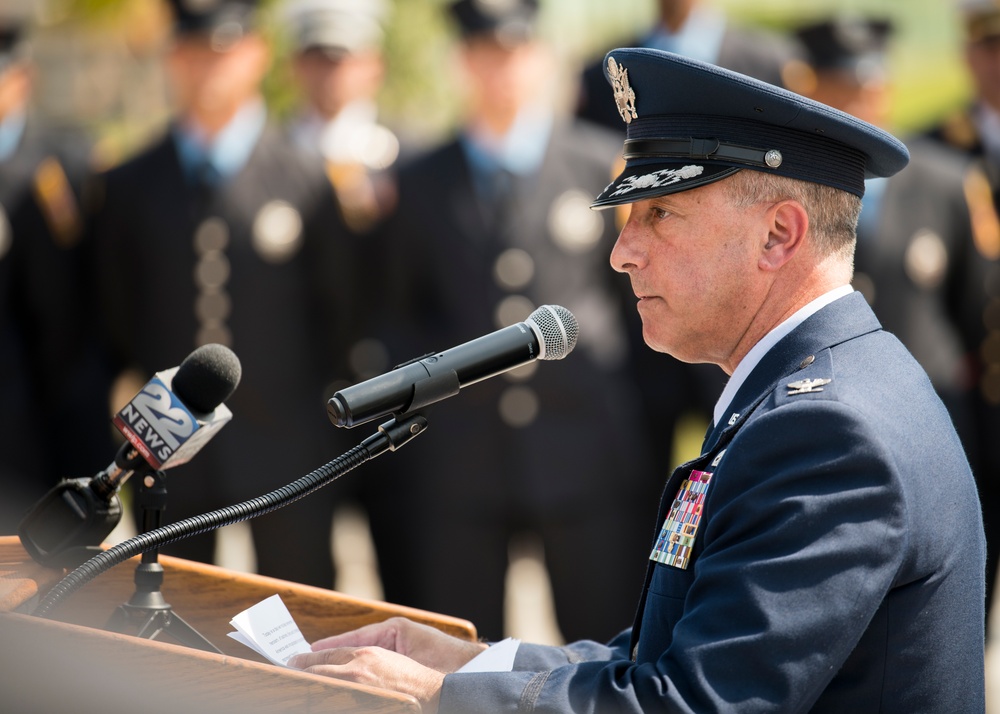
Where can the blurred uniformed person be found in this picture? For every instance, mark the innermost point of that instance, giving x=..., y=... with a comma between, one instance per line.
x=338, y=63
x=916, y=251
x=490, y=225
x=224, y=231
x=53, y=409
x=975, y=130
x=696, y=29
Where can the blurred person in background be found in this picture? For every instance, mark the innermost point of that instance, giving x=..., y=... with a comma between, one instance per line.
x=224, y=231
x=975, y=131
x=916, y=255
x=490, y=225
x=51, y=378
x=339, y=68
x=338, y=64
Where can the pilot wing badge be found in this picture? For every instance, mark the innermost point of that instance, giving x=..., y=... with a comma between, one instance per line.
x=806, y=386
x=676, y=540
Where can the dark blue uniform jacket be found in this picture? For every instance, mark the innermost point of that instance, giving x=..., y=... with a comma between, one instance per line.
x=837, y=565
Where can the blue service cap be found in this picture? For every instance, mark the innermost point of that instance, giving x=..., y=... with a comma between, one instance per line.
x=510, y=22
x=223, y=22
x=689, y=123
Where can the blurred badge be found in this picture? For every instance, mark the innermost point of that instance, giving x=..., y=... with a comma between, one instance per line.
x=926, y=260
x=277, y=232
x=676, y=540
x=574, y=226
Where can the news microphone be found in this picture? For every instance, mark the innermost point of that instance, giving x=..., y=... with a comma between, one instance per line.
x=174, y=415
x=549, y=333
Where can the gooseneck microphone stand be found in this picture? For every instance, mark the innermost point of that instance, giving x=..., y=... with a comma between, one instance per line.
x=390, y=436
x=147, y=614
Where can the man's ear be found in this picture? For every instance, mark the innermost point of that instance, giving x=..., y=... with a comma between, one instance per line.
x=788, y=225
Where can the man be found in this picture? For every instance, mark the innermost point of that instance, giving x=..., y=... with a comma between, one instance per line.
x=338, y=64
x=825, y=552
x=975, y=131
x=50, y=372
x=339, y=68
x=490, y=225
x=223, y=231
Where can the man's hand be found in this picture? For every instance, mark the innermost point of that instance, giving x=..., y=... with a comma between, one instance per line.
x=377, y=667
x=397, y=654
x=423, y=643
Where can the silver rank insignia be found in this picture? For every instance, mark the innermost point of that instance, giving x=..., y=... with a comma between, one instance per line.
x=806, y=386
x=624, y=94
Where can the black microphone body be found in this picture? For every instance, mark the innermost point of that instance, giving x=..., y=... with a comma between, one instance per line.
x=178, y=410
x=550, y=332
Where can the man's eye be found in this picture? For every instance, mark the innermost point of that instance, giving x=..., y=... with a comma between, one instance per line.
x=660, y=213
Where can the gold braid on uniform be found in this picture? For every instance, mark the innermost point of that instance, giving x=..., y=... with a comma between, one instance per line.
x=57, y=202
x=986, y=235
x=355, y=194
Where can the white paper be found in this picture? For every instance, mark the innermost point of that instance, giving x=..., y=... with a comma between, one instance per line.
x=268, y=628
x=498, y=658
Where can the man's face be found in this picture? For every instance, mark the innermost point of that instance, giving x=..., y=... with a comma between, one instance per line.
x=504, y=78
x=332, y=82
x=15, y=88
x=867, y=100
x=692, y=259
x=983, y=58
x=204, y=79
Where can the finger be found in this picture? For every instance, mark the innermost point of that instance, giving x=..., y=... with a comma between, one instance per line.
x=336, y=656
x=377, y=635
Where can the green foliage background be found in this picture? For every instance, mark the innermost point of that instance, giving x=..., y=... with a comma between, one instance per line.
x=419, y=97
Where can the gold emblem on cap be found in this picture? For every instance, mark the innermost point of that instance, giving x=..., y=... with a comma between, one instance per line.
x=773, y=158
x=624, y=95
x=806, y=386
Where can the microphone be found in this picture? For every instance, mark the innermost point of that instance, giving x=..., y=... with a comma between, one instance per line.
x=174, y=415
x=549, y=333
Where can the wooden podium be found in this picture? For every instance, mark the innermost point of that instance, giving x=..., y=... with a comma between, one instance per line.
x=71, y=664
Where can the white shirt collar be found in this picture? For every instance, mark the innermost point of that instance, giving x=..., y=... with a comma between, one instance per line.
x=757, y=352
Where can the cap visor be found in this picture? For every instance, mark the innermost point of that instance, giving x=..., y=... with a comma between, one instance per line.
x=642, y=181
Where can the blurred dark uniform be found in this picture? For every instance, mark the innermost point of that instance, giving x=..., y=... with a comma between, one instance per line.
x=54, y=419
x=672, y=388
x=480, y=240
x=251, y=254
x=975, y=131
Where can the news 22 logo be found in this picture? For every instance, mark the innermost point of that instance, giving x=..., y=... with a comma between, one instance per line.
x=156, y=423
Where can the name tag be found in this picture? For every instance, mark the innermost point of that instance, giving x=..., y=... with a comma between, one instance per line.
x=676, y=539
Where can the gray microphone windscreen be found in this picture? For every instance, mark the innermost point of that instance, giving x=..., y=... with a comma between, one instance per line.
x=557, y=330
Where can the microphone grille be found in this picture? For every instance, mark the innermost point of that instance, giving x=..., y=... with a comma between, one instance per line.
x=207, y=377
x=558, y=330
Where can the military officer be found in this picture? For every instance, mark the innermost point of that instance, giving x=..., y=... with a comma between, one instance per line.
x=490, y=225
x=50, y=370
x=697, y=29
x=825, y=552
x=222, y=230
x=975, y=131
